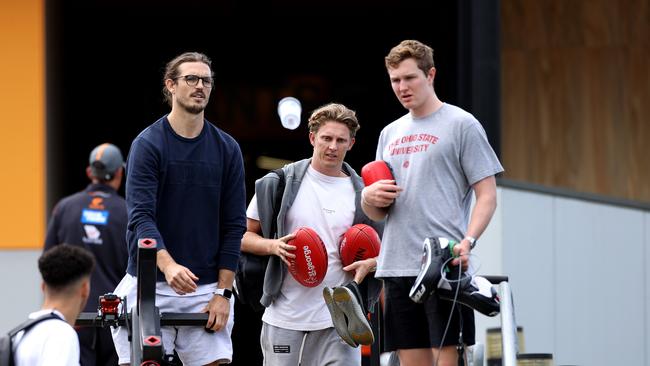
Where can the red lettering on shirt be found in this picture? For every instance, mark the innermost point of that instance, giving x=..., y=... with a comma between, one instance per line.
x=403, y=145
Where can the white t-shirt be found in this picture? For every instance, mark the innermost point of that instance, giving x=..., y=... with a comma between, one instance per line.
x=49, y=343
x=326, y=205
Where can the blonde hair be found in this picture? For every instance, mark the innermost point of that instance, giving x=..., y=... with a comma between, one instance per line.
x=334, y=112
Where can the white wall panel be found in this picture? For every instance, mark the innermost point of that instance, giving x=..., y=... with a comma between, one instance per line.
x=21, y=283
x=646, y=287
x=488, y=255
x=528, y=252
x=599, y=282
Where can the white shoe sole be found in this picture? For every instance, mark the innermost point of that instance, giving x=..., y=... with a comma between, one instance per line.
x=338, y=318
x=358, y=326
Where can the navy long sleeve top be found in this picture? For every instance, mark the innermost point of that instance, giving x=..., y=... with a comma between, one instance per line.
x=94, y=218
x=188, y=195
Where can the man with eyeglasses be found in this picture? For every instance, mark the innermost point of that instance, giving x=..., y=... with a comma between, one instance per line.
x=185, y=189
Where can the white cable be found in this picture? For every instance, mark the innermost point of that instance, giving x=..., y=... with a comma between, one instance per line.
x=451, y=312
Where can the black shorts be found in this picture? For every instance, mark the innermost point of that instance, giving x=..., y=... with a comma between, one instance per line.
x=410, y=325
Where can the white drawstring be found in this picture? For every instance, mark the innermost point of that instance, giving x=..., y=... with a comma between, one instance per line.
x=302, y=348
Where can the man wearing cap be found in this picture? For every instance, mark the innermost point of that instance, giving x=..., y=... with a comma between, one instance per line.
x=96, y=218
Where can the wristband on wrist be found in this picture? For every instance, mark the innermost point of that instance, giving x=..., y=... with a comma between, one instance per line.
x=363, y=197
x=471, y=240
x=223, y=292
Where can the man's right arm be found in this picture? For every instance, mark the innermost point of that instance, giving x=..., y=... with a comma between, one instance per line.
x=178, y=277
x=253, y=242
x=377, y=198
x=143, y=170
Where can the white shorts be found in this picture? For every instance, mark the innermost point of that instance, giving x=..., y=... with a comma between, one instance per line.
x=193, y=344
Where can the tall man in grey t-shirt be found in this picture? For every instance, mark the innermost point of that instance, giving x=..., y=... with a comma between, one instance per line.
x=439, y=155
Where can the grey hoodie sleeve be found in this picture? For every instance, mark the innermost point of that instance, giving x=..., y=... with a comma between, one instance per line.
x=266, y=189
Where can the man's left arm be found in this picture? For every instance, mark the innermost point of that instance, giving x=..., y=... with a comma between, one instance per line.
x=486, y=202
x=233, y=227
x=219, y=306
x=233, y=213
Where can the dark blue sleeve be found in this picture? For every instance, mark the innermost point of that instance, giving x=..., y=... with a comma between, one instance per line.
x=143, y=168
x=233, y=212
x=51, y=237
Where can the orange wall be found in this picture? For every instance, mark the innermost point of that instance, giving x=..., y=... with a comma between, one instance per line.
x=22, y=124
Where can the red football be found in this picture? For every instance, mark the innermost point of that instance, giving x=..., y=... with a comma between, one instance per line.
x=358, y=243
x=310, y=265
x=376, y=170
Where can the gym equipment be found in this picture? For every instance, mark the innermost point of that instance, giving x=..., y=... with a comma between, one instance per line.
x=145, y=319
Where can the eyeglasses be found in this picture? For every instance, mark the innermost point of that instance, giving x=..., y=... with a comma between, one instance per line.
x=193, y=80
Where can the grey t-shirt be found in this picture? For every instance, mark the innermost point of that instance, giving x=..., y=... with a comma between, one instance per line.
x=435, y=159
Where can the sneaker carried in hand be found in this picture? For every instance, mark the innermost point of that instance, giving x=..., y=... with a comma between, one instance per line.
x=472, y=291
x=338, y=318
x=348, y=299
x=437, y=252
x=427, y=280
x=478, y=295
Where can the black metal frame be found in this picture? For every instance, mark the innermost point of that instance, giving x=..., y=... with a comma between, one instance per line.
x=145, y=319
x=146, y=343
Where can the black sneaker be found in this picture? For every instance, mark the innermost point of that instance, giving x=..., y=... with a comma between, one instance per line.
x=348, y=299
x=338, y=318
x=427, y=280
x=479, y=295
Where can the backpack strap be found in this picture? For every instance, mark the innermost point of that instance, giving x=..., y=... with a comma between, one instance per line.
x=251, y=268
x=26, y=326
x=29, y=323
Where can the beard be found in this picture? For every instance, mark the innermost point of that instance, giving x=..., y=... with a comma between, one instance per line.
x=192, y=108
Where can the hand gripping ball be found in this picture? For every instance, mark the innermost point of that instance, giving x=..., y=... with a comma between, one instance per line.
x=376, y=170
x=310, y=265
x=358, y=243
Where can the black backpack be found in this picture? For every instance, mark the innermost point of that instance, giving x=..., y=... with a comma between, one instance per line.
x=252, y=267
x=6, y=351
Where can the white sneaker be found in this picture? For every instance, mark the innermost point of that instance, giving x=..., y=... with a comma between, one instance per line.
x=348, y=299
x=338, y=318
